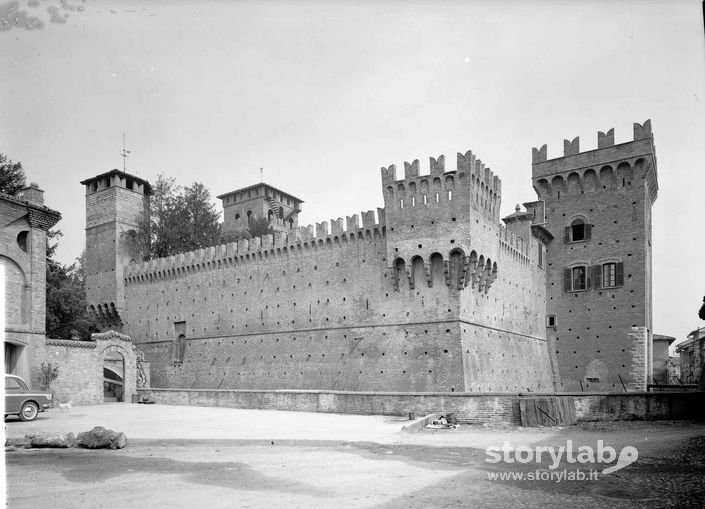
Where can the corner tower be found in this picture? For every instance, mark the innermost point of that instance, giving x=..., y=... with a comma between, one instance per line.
x=599, y=307
x=114, y=203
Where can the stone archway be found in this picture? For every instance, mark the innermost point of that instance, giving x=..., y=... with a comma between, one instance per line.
x=113, y=375
x=113, y=347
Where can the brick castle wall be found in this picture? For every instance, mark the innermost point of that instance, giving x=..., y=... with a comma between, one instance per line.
x=463, y=311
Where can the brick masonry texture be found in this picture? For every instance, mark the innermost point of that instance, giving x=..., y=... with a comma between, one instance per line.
x=470, y=408
x=602, y=336
x=23, y=226
x=431, y=293
x=81, y=365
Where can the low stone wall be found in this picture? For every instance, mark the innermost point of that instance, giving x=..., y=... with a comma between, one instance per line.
x=649, y=406
x=472, y=408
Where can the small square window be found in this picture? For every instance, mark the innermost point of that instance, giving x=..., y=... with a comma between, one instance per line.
x=551, y=321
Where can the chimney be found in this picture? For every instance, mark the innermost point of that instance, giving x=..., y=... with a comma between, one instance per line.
x=33, y=194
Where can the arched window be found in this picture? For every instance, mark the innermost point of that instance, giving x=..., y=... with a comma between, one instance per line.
x=249, y=216
x=237, y=217
x=578, y=231
x=270, y=215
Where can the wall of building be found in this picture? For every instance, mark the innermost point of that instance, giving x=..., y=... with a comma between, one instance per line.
x=80, y=366
x=334, y=311
x=603, y=335
x=23, y=227
x=469, y=408
x=77, y=379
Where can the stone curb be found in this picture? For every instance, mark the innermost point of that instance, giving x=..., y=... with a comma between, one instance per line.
x=419, y=424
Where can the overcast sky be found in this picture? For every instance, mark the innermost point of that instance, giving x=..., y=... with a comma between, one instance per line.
x=322, y=94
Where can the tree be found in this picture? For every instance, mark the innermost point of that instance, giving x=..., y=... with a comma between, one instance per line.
x=179, y=219
x=12, y=177
x=66, y=315
x=259, y=227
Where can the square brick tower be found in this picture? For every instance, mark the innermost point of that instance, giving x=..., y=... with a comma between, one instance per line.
x=242, y=206
x=597, y=204
x=114, y=203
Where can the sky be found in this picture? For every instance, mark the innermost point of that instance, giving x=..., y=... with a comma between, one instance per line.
x=322, y=94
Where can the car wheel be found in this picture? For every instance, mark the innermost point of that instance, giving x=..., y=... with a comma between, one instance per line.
x=29, y=411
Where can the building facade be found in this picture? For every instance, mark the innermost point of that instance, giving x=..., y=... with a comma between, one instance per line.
x=430, y=293
x=24, y=222
x=597, y=204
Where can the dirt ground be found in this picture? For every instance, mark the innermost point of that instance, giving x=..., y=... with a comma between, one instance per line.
x=439, y=468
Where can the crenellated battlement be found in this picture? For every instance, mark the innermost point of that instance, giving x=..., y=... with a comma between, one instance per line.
x=605, y=141
x=467, y=166
x=608, y=166
x=514, y=243
x=332, y=234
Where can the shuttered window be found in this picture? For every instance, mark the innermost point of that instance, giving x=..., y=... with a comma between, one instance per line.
x=577, y=279
x=578, y=231
x=608, y=275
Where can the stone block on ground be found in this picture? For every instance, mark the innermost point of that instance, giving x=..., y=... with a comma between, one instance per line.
x=46, y=439
x=101, y=438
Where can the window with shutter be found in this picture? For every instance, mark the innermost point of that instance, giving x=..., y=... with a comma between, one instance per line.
x=577, y=230
x=619, y=274
x=609, y=273
x=567, y=284
x=579, y=280
x=597, y=276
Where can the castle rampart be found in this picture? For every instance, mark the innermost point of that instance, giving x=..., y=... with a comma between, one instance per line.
x=334, y=305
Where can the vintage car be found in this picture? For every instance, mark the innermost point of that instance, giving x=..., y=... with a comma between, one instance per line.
x=22, y=401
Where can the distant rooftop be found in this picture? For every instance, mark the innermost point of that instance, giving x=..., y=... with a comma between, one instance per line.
x=261, y=184
x=144, y=183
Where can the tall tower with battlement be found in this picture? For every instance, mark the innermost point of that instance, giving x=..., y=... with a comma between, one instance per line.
x=242, y=206
x=597, y=205
x=114, y=202
x=462, y=205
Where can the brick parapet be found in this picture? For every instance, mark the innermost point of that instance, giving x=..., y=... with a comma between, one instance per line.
x=263, y=248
